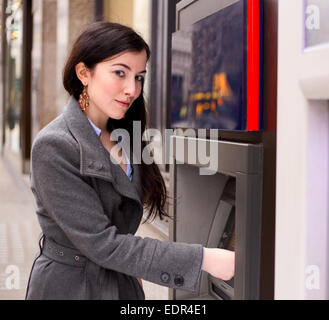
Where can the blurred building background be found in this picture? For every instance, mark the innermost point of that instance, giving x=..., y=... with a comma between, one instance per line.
x=36, y=37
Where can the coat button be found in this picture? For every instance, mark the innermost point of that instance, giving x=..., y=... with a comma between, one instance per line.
x=179, y=281
x=76, y=258
x=99, y=166
x=165, y=277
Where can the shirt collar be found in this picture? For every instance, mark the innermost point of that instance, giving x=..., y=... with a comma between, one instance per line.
x=97, y=130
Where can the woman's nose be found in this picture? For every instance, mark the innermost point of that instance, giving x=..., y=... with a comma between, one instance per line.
x=130, y=88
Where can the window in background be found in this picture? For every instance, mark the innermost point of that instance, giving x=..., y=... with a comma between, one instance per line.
x=13, y=65
x=316, y=22
x=135, y=14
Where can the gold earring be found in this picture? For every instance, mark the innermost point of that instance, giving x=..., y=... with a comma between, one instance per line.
x=84, y=99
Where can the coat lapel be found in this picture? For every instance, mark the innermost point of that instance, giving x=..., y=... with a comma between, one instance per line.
x=95, y=160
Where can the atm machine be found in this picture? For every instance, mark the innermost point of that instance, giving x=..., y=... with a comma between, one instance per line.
x=216, y=91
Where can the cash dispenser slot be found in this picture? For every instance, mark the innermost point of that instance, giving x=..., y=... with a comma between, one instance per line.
x=222, y=235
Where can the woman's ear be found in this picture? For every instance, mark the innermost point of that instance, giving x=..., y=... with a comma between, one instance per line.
x=82, y=73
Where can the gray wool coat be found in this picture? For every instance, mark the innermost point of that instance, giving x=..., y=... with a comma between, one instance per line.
x=89, y=210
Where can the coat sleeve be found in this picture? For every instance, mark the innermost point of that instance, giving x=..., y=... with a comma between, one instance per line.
x=76, y=208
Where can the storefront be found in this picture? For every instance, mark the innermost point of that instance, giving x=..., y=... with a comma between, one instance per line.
x=36, y=36
x=15, y=49
x=13, y=72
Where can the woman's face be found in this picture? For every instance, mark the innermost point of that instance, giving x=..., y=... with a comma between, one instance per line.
x=113, y=85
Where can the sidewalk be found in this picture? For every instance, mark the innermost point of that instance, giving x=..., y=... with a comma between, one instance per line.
x=19, y=231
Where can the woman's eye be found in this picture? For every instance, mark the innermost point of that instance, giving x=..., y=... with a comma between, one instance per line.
x=120, y=73
x=139, y=78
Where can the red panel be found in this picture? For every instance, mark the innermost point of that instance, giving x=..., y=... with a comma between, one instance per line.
x=253, y=65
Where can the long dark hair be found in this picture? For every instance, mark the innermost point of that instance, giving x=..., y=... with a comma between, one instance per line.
x=98, y=42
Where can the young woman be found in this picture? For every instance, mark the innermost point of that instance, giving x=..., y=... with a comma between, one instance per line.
x=90, y=199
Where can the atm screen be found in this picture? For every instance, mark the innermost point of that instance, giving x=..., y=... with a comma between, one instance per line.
x=217, y=69
x=208, y=74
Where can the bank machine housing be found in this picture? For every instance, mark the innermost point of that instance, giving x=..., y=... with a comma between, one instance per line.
x=211, y=68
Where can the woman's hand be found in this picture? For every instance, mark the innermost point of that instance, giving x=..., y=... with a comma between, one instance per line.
x=219, y=263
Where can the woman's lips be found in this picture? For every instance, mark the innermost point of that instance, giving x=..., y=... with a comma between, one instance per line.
x=123, y=104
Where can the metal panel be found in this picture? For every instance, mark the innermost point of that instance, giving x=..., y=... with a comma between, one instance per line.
x=232, y=156
x=196, y=198
x=187, y=14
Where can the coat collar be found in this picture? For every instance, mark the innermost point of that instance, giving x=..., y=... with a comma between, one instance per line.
x=95, y=160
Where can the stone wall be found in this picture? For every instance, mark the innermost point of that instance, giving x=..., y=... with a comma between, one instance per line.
x=81, y=12
x=47, y=92
x=62, y=21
